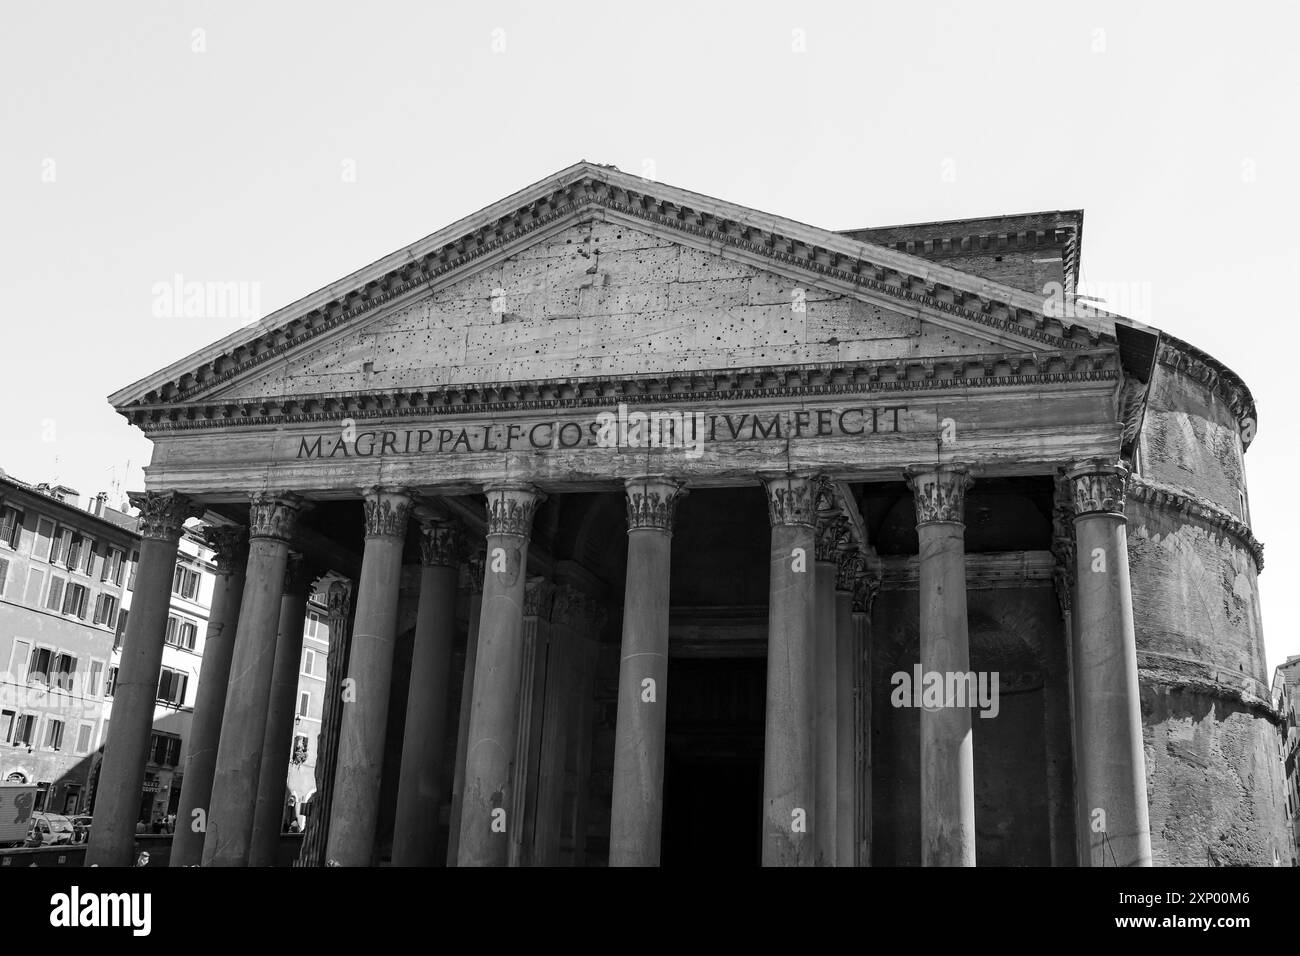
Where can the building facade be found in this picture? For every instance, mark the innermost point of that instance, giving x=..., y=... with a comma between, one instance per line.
x=633, y=503
x=64, y=576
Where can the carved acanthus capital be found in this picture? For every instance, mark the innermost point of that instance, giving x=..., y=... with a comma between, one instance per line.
x=511, y=507
x=849, y=566
x=1097, y=487
x=652, y=502
x=441, y=543
x=163, y=513
x=791, y=499
x=940, y=492
x=831, y=534
x=273, y=515
x=229, y=544
x=539, y=595
x=386, y=511
x=865, y=588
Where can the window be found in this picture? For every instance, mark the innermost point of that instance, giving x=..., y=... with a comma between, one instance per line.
x=88, y=562
x=59, y=544
x=53, y=734
x=11, y=527
x=111, y=685
x=65, y=671
x=170, y=636
x=18, y=659
x=135, y=562
x=304, y=703
x=313, y=623
x=4, y=574
x=73, y=555
x=25, y=730
x=165, y=749
x=105, y=609
x=35, y=585
x=181, y=633
x=300, y=751
x=120, y=633
x=112, y=566
x=186, y=583
x=74, y=600
x=6, y=725
x=38, y=668
x=171, y=687
x=54, y=600
x=84, y=733
x=309, y=662
x=95, y=679
x=44, y=536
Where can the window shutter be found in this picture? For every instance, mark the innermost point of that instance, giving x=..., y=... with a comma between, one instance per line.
x=6, y=524
x=54, y=601
x=99, y=608
x=4, y=574
x=183, y=682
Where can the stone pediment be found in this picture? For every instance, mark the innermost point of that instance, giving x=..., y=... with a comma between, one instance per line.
x=601, y=299
x=681, y=282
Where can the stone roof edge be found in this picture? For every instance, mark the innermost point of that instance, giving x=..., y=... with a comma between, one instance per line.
x=1174, y=353
x=463, y=241
x=1158, y=494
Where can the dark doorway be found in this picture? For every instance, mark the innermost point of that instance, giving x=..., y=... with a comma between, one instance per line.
x=713, y=777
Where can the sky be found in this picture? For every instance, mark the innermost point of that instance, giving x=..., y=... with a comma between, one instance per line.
x=281, y=146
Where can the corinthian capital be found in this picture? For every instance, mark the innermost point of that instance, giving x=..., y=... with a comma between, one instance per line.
x=1097, y=487
x=440, y=543
x=163, y=513
x=539, y=595
x=511, y=507
x=273, y=516
x=791, y=499
x=229, y=544
x=940, y=492
x=865, y=588
x=652, y=502
x=849, y=566
x=386, y=512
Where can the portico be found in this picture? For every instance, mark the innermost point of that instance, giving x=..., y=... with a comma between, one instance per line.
x=543, y=529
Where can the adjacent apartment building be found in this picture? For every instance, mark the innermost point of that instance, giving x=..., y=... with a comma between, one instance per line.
x=65, y=576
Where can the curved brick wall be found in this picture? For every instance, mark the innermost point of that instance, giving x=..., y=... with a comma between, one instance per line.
x=1213, y=776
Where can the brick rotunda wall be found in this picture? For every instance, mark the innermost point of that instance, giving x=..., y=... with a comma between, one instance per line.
x=1211, y=749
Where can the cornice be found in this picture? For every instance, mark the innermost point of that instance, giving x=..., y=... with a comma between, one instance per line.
x=883, y=377
x=1178, y=355
x=592, y=192
x=1165, y=497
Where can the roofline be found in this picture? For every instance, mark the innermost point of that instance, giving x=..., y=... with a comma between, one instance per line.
x=917, y=266
x=76, y=509
x=1075, y=214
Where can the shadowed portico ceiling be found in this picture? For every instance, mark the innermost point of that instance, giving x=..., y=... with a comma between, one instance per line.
x=1011, y=320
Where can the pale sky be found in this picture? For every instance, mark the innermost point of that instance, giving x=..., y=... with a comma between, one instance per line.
x=284, y=145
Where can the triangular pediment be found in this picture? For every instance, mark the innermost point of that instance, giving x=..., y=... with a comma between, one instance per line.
x=603, y=299
x=597, y=273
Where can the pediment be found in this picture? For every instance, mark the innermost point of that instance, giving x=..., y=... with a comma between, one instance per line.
x=593, y=273
x=603, y=299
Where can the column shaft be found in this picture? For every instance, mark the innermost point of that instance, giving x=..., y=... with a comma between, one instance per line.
x=243, y=724
x=845, y=765
x=121, y=775
x=636, y=815
x=494, y=714
x=231, y=547
x=419, y=788
x=475, y=570
x=1112, y=766
x=788, y=756
x=355, y=809
x=947, y=749
x=277, y=741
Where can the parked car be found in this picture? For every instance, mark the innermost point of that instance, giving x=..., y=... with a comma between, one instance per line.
x=80, y=828
x=49, y=829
